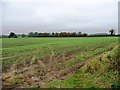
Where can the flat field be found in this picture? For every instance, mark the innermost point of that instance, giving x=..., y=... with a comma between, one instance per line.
x=84, y=62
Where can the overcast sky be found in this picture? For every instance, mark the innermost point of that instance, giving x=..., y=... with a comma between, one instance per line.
x=90, y=16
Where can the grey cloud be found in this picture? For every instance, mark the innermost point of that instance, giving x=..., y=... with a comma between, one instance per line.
x=46, y=16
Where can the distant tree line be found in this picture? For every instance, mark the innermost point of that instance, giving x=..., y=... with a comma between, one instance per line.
x=61, y=34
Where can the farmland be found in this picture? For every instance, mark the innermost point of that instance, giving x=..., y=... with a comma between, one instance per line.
x=86, y=62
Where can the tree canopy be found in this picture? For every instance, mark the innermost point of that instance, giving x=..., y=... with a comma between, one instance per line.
x=112, y=32
x=12, y=35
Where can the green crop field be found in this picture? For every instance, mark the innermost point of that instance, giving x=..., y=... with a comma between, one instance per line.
x=84, y=62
